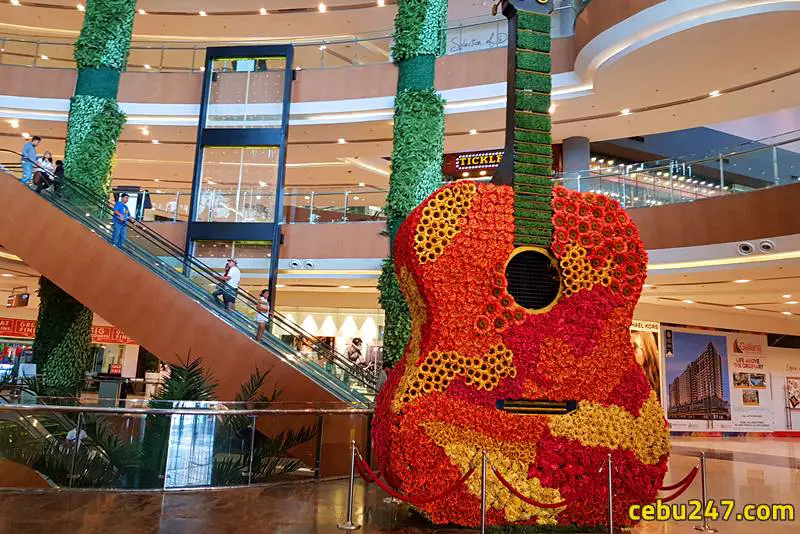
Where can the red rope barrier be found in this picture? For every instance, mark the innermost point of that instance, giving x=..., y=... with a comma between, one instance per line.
x=680, y=483
x=362, y=474
x=415, y=502
x=682, y=487
x=522, y=497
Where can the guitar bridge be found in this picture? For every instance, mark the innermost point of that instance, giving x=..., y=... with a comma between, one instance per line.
x=537, y=407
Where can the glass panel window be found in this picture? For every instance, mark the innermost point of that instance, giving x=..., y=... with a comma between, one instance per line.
x=238, y=184
x=246, y=93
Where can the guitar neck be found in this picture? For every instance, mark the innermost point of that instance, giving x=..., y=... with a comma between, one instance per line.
x=528, y=160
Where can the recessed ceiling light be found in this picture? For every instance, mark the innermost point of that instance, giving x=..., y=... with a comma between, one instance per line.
x=688, y=301
x=361, y=184
x=141, y=11
x=202, y=13
x=159, y=191
x=43, y=56
x=202, y=69
x=787, y=296
x=344, y=287
x=611, y=162
x=323, y=47
x=280, y=286
x=26, y=135
x=381, y=3
x=465, y=174
x=342, y=141
x=740, y=307
x=552, y=109
x=786, y=312
x=14, y=123
x=81, y=7
x=473, y=132
x=322, y=8
x=482, y=173
x=648, y=286
x=14, y=2
x=6, y=275
x=156, y=180
x=741, y=281
x=298, y=68
x=155, y=141
x=359, y=198
x=307, y=197
x=262, y=11
x=145, y=131
x=625, y=111
x=791, y=302
x=712, y=94
x=147, y=66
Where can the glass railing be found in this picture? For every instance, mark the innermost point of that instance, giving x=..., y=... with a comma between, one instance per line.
x=168, y=445
x=758, y=165
x=462, y=36
x=346, y=380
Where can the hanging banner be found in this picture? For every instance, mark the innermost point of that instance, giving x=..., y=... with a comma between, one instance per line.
x=716, y=381
x=26, y=329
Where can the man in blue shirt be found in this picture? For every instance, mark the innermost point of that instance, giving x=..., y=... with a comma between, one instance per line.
x=29, y=159
x=121, y=216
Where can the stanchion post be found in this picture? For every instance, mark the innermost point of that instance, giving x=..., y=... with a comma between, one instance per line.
x=704, y=495
x=483, y=493
x=610, y=498
x=349, y=525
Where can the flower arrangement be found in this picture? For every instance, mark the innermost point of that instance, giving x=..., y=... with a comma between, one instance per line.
x=471, y=345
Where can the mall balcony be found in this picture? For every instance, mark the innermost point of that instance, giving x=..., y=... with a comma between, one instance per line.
x=264, y=132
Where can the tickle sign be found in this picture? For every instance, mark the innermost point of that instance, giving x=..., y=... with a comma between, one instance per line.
x=521, y=297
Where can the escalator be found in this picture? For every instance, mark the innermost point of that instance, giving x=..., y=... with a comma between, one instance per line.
x=162, y=299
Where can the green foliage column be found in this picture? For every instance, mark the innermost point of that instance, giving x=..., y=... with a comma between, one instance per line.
x=63, y=335
x=418, y=143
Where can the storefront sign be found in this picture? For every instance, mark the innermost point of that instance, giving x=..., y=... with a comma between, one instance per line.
x=479, y=160
x=26, y=329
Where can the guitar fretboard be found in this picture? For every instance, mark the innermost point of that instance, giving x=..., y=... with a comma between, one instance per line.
x=533, y=152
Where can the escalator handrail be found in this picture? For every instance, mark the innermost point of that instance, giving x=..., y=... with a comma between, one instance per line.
x=211, y=276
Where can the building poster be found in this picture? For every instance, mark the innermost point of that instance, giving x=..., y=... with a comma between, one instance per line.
x=793, y=392
x=644, y=337
x=716, y=381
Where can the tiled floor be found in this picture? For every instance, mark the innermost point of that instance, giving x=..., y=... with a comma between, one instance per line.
x=750, y=471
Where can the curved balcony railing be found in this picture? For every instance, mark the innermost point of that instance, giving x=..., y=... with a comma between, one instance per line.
x=462, y=36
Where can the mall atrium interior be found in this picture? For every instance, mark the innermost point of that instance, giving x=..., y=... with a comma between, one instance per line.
x=399, y=266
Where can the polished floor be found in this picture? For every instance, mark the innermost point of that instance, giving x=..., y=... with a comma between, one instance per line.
x=750, y=471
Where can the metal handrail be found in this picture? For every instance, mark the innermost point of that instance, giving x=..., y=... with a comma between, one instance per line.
x=40, y=408
x=205, y=272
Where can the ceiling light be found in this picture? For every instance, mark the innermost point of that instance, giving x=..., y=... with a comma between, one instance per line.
x=202, y=69
x=786, y=312
x=786, y=296
x=601, y=161
x=262, y=183
x=159, y=191
x=81, y=7
x=344, y=287
x=202, y=13
x=791, y=302
x=712, y=94
x=141, y=11
x=43, y=56
x=594, y=158
x=26, y=135
x=740, y=307
x=648, y=286
x=155, y=141
x=359, y=198
x=381, y=3
x=342, y=141
x=6, y=275
x=280, y=286
x=688, y=301
x=156, y=180
x=262, y=11
x=323, y=47
x=625, y=111
x=145, y=131
x=147, y=66
x=14, y=2
x=552, y=109
x=14, y=123
x=307, y=197
x=741, y=281
x=361, y=184
x=465, y=174
x=473, y=132
x=482, y=173
x=322, y=8
x=298, y=68
x=611, y=162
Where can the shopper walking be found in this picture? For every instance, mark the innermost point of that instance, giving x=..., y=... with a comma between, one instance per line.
x=229, y=285
x=263, y=313
x=121, y=217
x=29, y=159
x=383, y=375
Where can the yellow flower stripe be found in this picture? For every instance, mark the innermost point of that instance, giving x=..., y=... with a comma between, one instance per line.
x=440, y=368
x=578, y=273
x=418, y=315
x=442, y=218
x=595, y=425
x=463, y=447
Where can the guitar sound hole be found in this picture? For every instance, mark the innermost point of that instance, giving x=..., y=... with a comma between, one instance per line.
x=533, y=279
